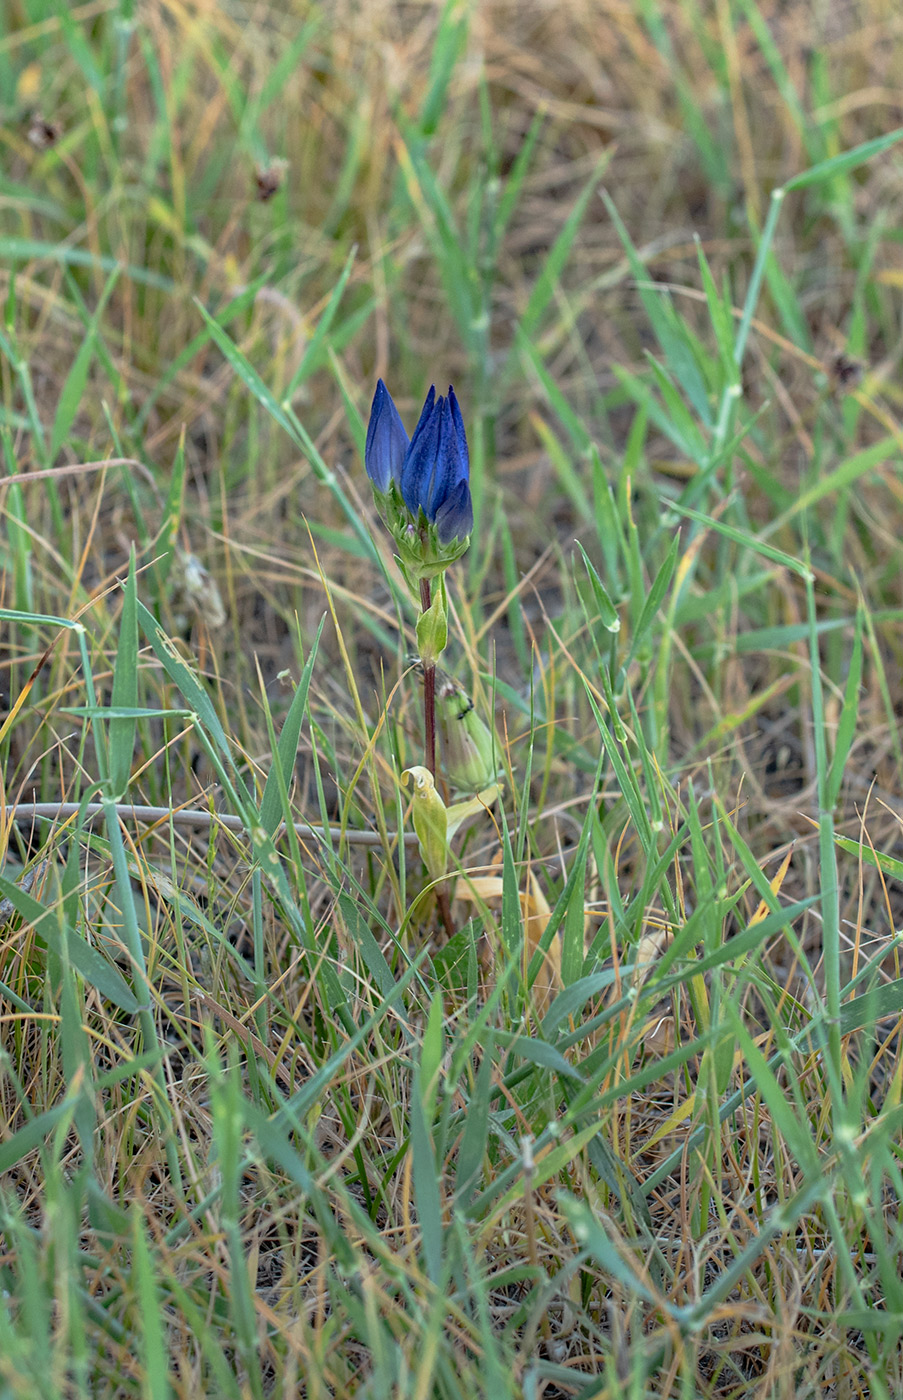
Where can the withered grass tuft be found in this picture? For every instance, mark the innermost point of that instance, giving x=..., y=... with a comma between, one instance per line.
x=636, y=1129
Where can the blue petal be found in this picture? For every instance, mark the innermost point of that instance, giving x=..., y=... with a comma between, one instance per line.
x=460, y=433
x=426, y=414
x=420, y=457
x=452, y=464
x=387, y=440
x=454, y=518
x=443, y=473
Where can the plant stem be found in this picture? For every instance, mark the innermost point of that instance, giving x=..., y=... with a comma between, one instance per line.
x=429, y=692
x=429, y=728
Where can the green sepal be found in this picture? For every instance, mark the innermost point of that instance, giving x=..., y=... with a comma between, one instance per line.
x=470, y=753
x=432, y=628
x=430, y=821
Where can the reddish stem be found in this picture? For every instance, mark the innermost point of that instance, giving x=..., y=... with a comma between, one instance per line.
x=429, y=692
x=429, y=726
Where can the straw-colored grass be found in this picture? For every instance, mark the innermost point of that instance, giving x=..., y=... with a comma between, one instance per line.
x=635, y=1129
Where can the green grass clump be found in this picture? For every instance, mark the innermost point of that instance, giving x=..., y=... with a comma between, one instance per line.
x=634, y=1129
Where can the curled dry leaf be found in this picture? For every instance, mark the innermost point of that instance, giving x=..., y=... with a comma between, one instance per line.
x=535, y=911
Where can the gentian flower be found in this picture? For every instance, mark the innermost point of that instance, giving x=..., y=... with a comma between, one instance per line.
x=387, y=441
x=435, y=473
x=422, y=486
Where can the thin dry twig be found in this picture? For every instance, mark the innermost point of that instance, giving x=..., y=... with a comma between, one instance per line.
x=187, y=816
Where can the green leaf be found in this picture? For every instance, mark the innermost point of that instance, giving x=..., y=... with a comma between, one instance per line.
x=559, y=253
x=73, y=390
x=538, y=1052
x=748, y=541
x=431, y=1057
x=425, y=1173
x=476, y=1126
x=573, y=999
x=849, y=715
x=315, y=346
x=608, y=614
x=156, y=1357
x=846, y=160
x=287, y=748
x=183, y=677
x=654, y=599
x=33, y=1133
x=370, y=951
x=125, y=689
x=88, y=961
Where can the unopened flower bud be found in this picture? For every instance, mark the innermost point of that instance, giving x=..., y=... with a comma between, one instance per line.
x=469, y=747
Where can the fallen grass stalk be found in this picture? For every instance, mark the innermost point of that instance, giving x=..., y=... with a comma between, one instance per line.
x=199, y=820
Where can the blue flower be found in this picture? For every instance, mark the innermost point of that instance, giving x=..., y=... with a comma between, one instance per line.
x=387, y=440
x=435, y=473
x=431, y=471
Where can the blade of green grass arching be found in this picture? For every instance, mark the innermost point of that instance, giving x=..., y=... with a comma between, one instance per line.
x=807, y=129
x=463, y=289
x=190, y=687
x=475, y=1139
x=571, y=898
x=844, y=161
x=670, y=331
x=76, y=1049
x=272, y=804
x=16, y=1148
x=568, y=476
x=125, y=688
x=591, y=1235
x=654, y=599
x=73, y=391
x=547, y=281
x=18, y=534
x=677, y=424
x=315, y=345
x=35, y=249
x=514, y=183
x=742, y=537
x=153, y=1340
x=827, y=855
x=88, y=961
x=755, y=280
x=574, y=424
x=285, y=417
x=842, y=477
x=890, y=865
x=451, y=37
x=228, y=1106
x=849, y=715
